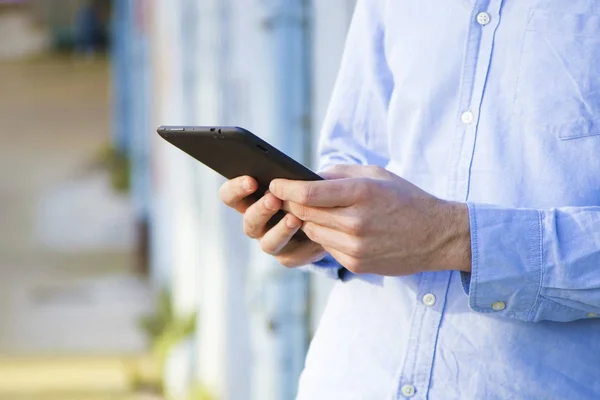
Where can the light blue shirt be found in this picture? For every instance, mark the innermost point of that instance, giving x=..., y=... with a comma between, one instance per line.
x=496, y=103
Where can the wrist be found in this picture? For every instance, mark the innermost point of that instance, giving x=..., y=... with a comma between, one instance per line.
x=454, y=250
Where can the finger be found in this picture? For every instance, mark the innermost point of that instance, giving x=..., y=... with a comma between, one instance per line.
x=339, y=218
x=257, y=216
x=276, y=238
x=333, y=239
x=235, y=192
x=344, y=259
x=328, y=193
x=303, y=253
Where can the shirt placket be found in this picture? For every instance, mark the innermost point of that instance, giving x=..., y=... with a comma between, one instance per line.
x=415, y=375
x=478, y=55
x=425, y=322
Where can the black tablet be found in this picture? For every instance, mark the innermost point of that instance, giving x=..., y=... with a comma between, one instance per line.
x=234, y=152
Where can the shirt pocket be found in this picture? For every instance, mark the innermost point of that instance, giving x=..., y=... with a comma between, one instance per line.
x=558, y=88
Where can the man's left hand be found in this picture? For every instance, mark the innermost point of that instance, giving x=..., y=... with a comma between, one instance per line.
x=372, y=221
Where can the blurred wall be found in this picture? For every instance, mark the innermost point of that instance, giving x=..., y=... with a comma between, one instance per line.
x=62, y=12
x=247, y=63
x=26, y=37
x=50, y=12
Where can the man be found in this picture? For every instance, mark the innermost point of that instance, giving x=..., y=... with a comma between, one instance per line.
x=468, y=258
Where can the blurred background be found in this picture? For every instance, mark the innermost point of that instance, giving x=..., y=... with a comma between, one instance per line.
x=121, y=274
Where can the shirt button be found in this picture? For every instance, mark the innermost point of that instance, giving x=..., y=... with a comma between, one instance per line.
x=466, y=117
x=408, y=390
x=429, y=299
x=592, y=315
x=498, y=306
x=483, y=18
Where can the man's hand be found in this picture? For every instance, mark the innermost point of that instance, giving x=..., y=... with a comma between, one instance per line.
x=372, y=221
x=278, y=240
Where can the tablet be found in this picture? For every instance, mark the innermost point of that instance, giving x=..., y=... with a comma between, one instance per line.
x=234, y=152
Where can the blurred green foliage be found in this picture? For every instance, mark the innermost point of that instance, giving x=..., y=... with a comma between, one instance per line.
x=200, y=393
x=166, y=329
x=118, y=166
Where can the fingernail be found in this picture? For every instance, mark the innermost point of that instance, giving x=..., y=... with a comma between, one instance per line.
x=272, y=187
x=291, y=222
x=247, y=185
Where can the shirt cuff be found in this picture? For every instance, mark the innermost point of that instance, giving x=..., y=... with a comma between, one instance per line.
x=327, y=267
x=506, y=247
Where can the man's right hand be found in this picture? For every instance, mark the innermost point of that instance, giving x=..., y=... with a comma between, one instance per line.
x=278, y=240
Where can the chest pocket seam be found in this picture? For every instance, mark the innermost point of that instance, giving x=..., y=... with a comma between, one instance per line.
x=560, y=49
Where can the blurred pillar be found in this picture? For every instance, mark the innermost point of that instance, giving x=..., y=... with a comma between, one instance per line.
x=176, y=235
x=166, y=104
x=254, y=72
x=121, y=74
x=168, y=164
x=131, y=87
x=140, y=143
x=279, y=306
x=223, y=352
x=288, y=24
x=176, y=239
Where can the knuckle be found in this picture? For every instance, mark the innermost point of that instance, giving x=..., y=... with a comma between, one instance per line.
x=261, y=208
x=250, y=228
x=379, y=172
x=362, y=189
x=376, y=170
x=356, y=249
x=337, y=168
x=307, y=193
x=267, y=247
x=354, y=265
x=248, y=231
x=273, y=201
x=310, y=231
x=301, y=212
x=355, y=226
